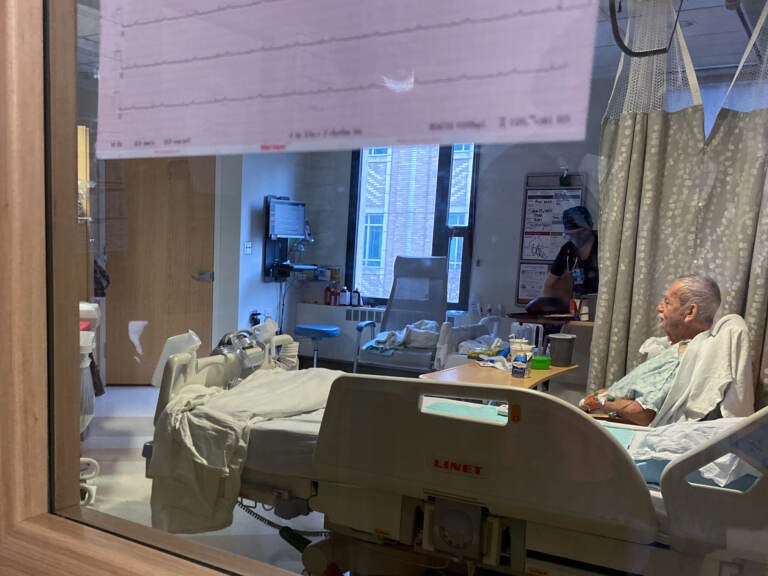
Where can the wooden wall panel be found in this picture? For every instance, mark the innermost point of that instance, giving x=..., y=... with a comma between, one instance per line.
x=159, y=227
x=23, y=410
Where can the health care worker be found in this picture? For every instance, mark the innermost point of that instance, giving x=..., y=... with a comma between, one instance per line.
x=574, y=272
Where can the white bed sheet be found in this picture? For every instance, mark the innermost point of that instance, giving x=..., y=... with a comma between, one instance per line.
x=201, y=443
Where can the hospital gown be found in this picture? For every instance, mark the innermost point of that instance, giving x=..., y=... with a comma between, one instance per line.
x=715, y=376
x=649, y=383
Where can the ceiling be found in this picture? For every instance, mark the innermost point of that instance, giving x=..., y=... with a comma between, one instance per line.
x=714, y=33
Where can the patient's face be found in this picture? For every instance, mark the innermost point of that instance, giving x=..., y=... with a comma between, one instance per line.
x=671, y=313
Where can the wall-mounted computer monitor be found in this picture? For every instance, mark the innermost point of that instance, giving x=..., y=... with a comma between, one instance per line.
x=286, y=219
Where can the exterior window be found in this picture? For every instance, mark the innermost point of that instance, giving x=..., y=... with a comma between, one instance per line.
x=459, y=212
x=456, y=246
x=402, y=208
x=373, y=244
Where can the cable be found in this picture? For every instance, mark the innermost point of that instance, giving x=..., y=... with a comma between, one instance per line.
x=281, y=293
x=274, y=525
x=286, y=286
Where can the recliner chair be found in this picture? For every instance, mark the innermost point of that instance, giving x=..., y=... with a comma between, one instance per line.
x=419, y=292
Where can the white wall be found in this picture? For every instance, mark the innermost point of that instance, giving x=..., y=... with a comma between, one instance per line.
x=262, y=175
x=323, y=183
x=226, y=246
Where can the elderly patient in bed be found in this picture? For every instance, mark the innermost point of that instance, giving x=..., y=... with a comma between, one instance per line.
x=698, y=371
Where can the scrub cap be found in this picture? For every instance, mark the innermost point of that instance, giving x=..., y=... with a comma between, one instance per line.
x=577, y=217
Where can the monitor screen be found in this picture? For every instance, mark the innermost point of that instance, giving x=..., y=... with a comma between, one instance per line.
x=286, y=219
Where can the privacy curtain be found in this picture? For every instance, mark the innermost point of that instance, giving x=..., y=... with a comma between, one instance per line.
x=673, y=201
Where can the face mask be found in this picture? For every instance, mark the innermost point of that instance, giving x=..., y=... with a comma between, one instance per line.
x=580, y=237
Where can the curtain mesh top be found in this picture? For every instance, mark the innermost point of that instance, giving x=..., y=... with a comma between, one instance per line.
x=645, y=84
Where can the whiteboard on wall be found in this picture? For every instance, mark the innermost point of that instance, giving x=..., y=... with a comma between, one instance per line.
x=184, y=77
x=542, y=231
x=543, y=224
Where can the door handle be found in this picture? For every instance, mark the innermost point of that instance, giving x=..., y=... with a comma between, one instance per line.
x=203, y=276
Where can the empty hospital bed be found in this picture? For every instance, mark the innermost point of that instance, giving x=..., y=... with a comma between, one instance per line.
x=413, y=474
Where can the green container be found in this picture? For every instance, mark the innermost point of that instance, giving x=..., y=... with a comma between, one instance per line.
x=540, y=362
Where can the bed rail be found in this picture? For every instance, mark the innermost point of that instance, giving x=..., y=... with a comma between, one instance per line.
x=716, y=517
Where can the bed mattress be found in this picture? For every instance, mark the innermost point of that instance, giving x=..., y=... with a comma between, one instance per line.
x=285, y=446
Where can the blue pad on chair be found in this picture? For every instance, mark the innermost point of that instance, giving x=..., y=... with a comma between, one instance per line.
x=316, y=331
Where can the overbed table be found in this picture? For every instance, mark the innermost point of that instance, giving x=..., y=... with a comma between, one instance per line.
x=474, y=373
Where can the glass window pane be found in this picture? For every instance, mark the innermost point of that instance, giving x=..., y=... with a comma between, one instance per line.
x=373, y=241
x=153, y=228
x=398, y=186
x=462, y=161
x=455, y=252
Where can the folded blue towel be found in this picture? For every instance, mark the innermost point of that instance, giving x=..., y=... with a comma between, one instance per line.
x=372, y=346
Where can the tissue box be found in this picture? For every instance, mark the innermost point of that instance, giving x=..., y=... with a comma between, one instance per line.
x=540, y=362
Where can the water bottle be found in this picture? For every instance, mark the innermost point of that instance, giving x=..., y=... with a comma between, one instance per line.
x=474, y=310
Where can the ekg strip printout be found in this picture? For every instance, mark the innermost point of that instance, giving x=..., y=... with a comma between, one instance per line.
x=186, y=77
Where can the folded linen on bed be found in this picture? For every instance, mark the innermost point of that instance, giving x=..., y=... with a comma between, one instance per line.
x=201, y=440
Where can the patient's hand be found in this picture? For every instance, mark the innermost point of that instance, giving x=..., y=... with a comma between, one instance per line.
x=590, y=403
x=595, y=401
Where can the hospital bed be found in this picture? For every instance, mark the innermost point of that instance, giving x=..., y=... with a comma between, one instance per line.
x=412, y=474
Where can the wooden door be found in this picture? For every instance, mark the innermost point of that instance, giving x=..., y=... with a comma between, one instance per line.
x=159, y=232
